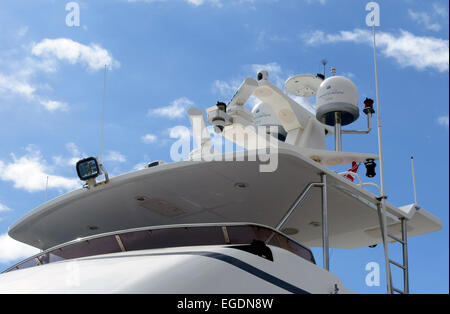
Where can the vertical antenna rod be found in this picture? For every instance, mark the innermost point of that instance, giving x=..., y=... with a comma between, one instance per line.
x=103, y=117
x=414, y=180
x=324, y=63
x=380, y=157
x=380, y=143
x=46, y=189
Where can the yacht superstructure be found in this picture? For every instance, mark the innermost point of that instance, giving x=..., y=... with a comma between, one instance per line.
x=240, y=221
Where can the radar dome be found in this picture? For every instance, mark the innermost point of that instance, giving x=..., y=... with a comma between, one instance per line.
x=263, y=115
x=337, y=94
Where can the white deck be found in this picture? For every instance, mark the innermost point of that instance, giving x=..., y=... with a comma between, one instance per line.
x=205, y=192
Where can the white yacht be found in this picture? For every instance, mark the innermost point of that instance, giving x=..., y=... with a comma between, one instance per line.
x=241, y=221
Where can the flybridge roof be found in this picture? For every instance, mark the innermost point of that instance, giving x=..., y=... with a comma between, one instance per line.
x=217, y=192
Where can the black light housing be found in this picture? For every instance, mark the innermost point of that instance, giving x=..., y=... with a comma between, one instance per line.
x=370, y=167
x=88, y=168
x=222, y=106
x=368, y=106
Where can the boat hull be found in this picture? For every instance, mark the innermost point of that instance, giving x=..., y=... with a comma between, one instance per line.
x=188, y=270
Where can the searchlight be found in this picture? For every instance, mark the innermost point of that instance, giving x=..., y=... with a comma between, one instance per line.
x=89, y=169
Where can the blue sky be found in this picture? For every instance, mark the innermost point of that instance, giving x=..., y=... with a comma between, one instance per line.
x=165, y=56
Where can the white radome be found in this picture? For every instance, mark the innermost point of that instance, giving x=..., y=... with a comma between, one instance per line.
x=263, y=115
x=337, y=94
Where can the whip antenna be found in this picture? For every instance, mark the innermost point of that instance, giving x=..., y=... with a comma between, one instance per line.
x=414, y=181
x=46, y=189
x=324, y=63
x=380, y=143
x=103, y=116
x=380, y=157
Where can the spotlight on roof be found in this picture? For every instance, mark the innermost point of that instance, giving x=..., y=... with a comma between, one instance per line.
x=89, y=169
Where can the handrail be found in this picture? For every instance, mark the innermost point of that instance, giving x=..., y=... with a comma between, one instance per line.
x=296, y=203
x=325, y=235
x=361, y=183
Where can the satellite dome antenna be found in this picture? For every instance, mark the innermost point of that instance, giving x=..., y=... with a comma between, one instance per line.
x=337, y=106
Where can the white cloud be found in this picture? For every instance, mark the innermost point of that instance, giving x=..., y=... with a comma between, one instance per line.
x=407, y=49
x=16, y=85
x=75, y=156
x=195, y=3
x=349, y=75
x=19, y=82
x=272, y=67
x=176, y=109
x=53, y=105
x=73, y=149
x=12, y=85
x=147, y=1
x=93, y=56
x=114, y=156
x=148, y=138
x=226, y=89
x=424, y=19
x=440, y=10
x=22, y=31
x=218, y=3
x=12, y=250
x=322, y=2
x=443, y=120
x=4, y=208
x=30, y=172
